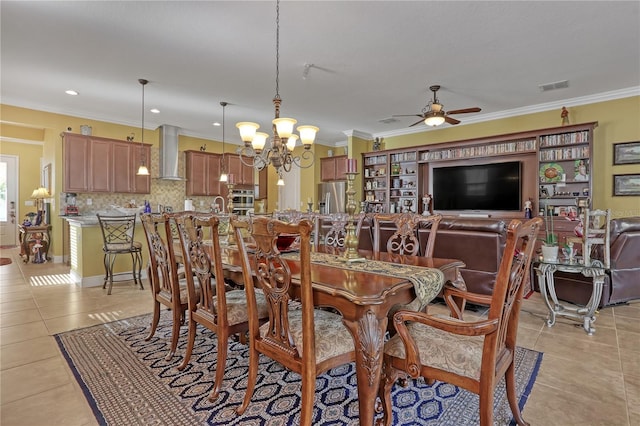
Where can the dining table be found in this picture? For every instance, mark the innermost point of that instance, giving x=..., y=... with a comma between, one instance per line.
x=364, y=293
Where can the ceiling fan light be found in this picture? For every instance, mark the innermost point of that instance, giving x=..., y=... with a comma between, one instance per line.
x=284, y=126
x=434, y=120
x=307, y=134
x=259, y=141
x=247, y=130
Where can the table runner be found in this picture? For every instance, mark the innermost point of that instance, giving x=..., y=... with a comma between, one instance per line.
x=427, y=281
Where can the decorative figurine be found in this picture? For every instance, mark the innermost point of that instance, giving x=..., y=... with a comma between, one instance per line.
x=565, y=116
x=528, y=209
x=377, y=144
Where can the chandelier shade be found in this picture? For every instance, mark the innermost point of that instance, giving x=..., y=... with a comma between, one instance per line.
x=261, y=150
x=224, y=177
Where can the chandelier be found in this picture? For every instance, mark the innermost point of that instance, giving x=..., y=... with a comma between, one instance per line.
x=279, y=152
x=142, y=170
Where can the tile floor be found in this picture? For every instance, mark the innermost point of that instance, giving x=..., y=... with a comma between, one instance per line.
x=584, y=380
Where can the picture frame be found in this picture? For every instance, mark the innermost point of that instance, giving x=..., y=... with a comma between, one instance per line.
x=626, y=153
x=626, y=185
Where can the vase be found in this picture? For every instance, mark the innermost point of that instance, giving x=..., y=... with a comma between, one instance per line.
x=550, y=253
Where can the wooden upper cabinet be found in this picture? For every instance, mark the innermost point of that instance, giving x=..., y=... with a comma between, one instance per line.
x=203, y=173
x=242, y=174
x=333, y=168
x=127, y=157
x=93, y=164
x=76, y=158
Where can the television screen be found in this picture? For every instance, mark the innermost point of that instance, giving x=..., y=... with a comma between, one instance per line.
x=479, y=187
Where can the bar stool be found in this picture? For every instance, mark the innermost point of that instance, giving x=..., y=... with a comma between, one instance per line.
x=117, y=235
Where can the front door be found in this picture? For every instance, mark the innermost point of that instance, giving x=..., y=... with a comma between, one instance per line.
x=8, y=200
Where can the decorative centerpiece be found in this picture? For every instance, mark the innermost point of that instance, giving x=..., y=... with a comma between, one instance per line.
x=351, y=240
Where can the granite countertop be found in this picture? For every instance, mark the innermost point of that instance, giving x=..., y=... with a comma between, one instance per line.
x=91, y=218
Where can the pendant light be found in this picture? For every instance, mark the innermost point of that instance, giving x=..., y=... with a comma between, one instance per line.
x=142, y=170
x=223, y=171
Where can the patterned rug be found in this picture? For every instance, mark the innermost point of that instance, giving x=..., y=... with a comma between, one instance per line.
x=127, y=381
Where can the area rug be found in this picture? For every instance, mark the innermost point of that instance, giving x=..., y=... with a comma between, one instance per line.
x=5, y=261
x=126, y=380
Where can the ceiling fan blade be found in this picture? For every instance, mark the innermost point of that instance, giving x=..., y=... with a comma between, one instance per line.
x=451, y=120
x=420, y=121
x=408, y=115
x=465, y=110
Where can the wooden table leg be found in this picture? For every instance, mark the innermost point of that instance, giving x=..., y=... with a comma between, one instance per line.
x=368, y=335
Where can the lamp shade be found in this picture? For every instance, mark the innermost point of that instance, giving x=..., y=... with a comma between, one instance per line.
x=307, y=134
x=291, y=142
x=40, y=193
x=259, y=140
x=223, y=177
x=247, y=130
x=434, y=119
x=142, y=170
x=284, y=126
x=280, y=182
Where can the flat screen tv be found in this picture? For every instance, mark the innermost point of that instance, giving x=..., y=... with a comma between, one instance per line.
x=495, y=186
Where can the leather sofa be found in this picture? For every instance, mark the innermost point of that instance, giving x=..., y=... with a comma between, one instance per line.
x=622, y=281
x=478, y=242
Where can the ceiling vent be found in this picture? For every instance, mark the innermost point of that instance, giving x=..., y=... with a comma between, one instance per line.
x=388, y=120
x=553, y=86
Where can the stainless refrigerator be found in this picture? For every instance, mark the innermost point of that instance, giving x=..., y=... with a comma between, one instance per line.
x=332, y=197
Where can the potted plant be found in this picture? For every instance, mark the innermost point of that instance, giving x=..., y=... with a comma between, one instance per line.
x=550, y=240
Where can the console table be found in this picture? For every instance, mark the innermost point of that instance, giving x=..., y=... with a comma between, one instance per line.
x=595, y=270
x=34, y=240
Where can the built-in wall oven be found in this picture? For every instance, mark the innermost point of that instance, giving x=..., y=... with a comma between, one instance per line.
x=242, y=201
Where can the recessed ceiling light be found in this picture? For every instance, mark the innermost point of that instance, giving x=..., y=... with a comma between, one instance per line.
x=216, y=124
x=155, y=110
x=71, y=92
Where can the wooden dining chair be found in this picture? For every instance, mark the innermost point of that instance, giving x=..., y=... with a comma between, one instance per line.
x=166, y=287
x=470, y=355
x=334, y=238
x=307, y=341
x=404, y=240
x=210, y=304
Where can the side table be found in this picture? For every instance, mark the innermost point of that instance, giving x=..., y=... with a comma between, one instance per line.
x=596, y=270
x=34, y=240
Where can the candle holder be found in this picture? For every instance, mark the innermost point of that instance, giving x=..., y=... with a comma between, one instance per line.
x=231, y=239
x=351, y=240
x=309, y=207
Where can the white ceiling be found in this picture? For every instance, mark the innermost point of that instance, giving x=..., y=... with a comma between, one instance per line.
x=371, y=59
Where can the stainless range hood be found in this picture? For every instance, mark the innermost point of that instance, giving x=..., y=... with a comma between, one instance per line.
x=169, y=152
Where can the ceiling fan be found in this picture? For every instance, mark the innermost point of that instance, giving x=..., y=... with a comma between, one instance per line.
x=433, y=114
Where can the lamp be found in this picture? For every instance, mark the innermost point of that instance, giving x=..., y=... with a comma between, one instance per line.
x=434, y=119
x=279, y=153
x=142, y=170
x=223, y=172
x=39, y=194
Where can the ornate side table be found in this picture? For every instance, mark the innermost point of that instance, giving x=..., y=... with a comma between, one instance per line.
x=34, y=240
x=596, y=270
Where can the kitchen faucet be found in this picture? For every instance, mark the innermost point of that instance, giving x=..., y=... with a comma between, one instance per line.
x=214, y=205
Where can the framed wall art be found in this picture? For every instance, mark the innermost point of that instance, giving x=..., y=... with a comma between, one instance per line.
x=626, y=184
x=626, y=153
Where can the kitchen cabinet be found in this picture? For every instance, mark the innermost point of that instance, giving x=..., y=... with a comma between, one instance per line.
x=127, y=157
x=243, y=175
x=94, y=164
x=333, y=168
x=203, y=173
